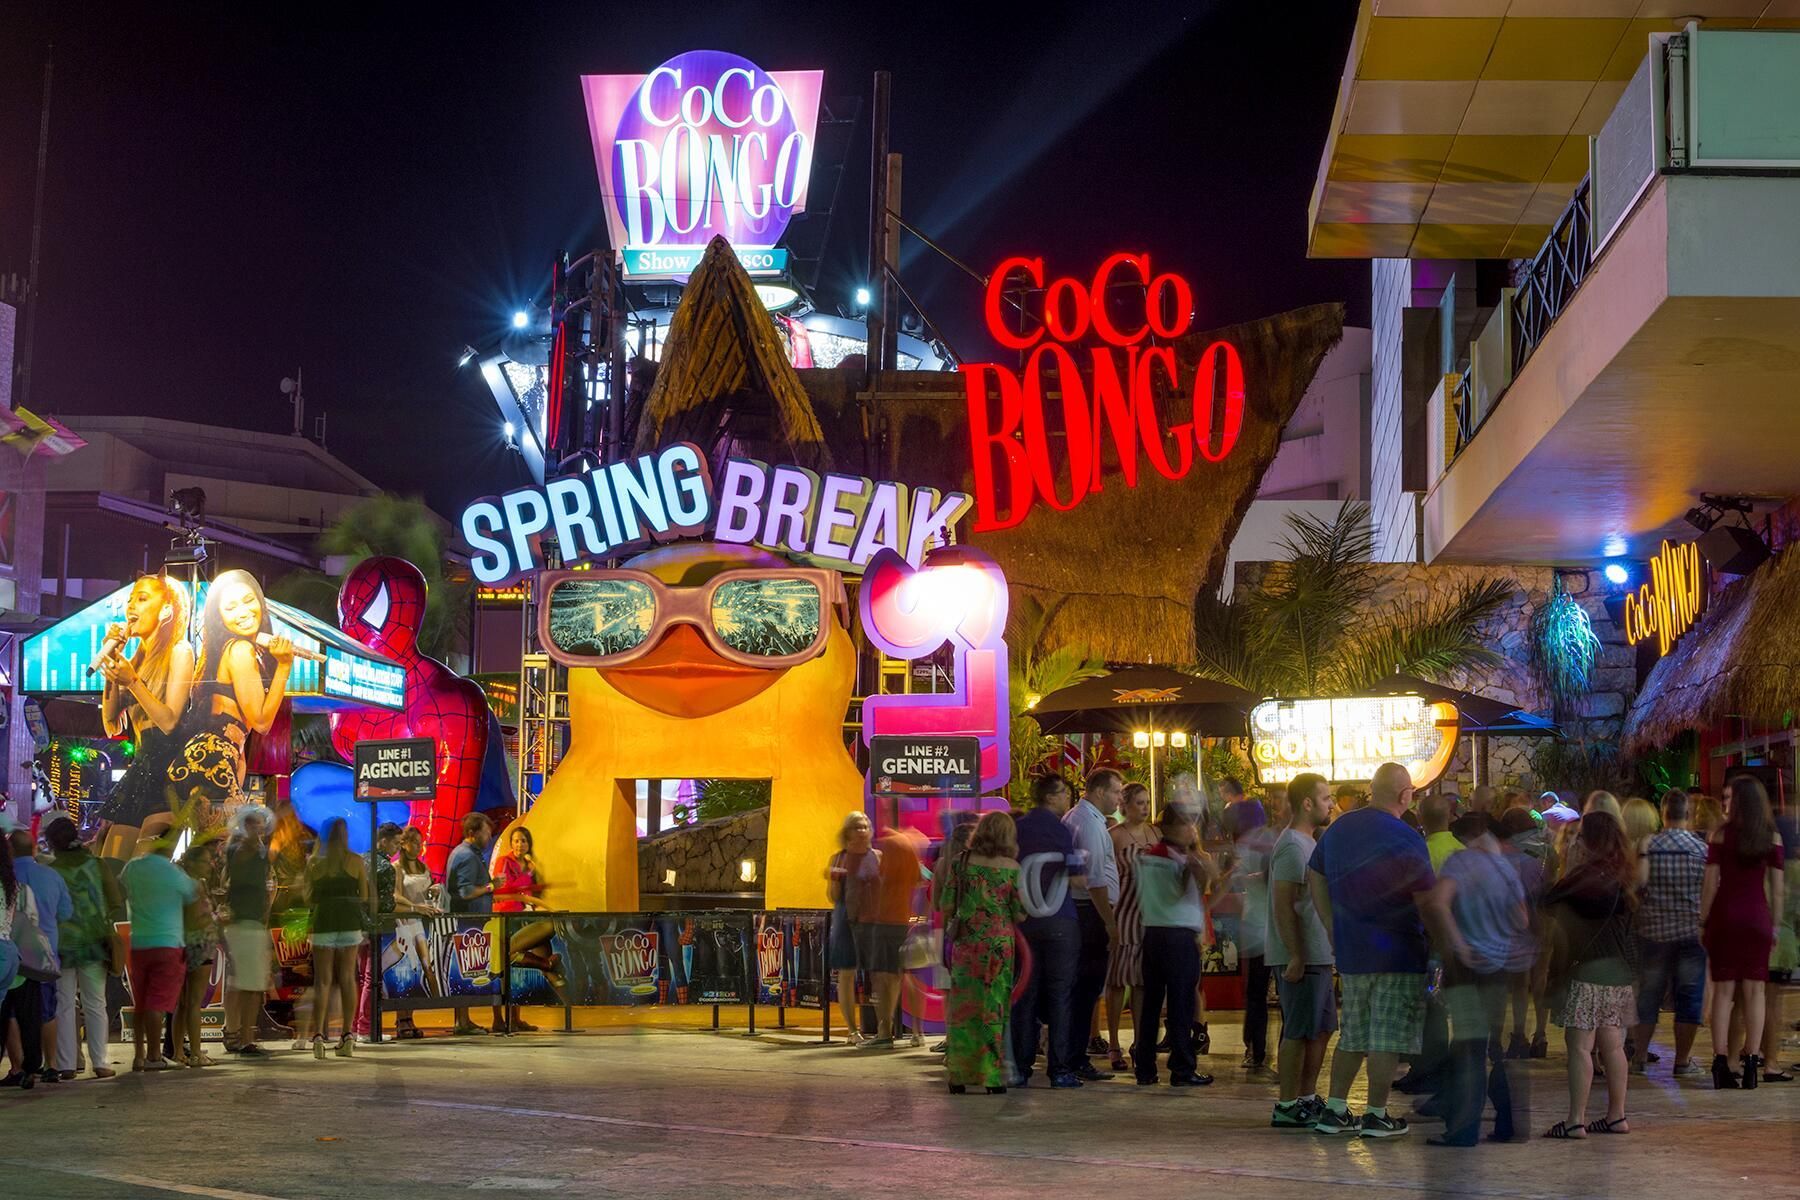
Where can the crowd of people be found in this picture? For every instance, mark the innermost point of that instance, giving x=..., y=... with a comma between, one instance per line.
x=1415, y=928
x=215, y=915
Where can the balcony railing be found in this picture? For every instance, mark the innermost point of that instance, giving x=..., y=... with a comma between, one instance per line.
x=1555, y=276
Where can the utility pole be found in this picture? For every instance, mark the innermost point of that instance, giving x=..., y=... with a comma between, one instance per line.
x=876, y=346
x=33, y=285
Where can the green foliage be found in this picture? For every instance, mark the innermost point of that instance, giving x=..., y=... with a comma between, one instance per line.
x=385, y=525
x=1670, y=767
x=1034, y=671
x=1311, y=628
x=1563, y=647
x=725, y=798
x=1580, y=766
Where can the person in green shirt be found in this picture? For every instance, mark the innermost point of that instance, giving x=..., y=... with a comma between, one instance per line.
x=1434, y=823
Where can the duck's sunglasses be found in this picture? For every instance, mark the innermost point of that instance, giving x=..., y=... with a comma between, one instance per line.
x=762, y=617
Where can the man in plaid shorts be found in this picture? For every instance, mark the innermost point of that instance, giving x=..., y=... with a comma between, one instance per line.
x=1668, y=933
x=1369, y=877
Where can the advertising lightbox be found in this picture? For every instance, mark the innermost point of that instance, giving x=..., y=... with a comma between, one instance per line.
x=1345, y=740
x=706, y=145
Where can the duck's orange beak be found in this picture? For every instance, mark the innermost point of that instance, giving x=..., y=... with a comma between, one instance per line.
x=683, y=678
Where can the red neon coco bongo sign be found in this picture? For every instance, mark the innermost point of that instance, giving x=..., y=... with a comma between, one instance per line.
x=1116, y=401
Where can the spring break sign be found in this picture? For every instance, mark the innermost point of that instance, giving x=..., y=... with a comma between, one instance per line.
x=707, y=144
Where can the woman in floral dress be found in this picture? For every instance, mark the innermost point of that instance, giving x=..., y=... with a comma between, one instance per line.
x=982, y=906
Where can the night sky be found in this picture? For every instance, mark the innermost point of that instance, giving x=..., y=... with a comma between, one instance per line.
x=229, y=200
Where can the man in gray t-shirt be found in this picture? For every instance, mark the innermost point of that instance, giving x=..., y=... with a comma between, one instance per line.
x=1298, y=952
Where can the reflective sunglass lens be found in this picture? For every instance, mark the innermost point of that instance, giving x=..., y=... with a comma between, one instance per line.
x=595, y=618
x=770, y=618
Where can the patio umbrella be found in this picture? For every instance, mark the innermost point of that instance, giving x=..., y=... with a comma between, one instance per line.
x=1146, y=698
x=1480, y=714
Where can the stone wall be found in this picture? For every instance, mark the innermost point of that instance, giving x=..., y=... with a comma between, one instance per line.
x=1601, y=712
x=706, y=857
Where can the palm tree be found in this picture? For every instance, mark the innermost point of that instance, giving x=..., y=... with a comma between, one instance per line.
x=1034, y=671
x=1310, y=627
x=385, y=525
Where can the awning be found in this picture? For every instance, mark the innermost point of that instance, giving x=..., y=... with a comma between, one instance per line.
x=1480, y=714
x=55, y=661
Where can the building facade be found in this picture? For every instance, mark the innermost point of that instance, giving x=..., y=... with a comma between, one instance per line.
x=1585, y=285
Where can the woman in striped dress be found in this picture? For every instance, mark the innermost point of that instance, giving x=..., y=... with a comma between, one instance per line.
x=1124, y=969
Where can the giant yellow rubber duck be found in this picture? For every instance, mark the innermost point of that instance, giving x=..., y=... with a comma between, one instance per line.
x=682, y=710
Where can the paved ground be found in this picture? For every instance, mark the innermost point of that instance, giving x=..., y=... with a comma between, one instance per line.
x=676, y=1113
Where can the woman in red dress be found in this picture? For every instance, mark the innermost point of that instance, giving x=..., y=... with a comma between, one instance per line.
x=517, y=884
x=1740, y=901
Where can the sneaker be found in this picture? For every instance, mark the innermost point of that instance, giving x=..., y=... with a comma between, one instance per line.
x=1685, y=1068
x=1382, y=1127
x=1296, y=1114
x=1334, y=1122
x=1090, y=1074
x=1637, y=1066
x=1096, y=1045
x=1065, y=1080
x=252, y=1051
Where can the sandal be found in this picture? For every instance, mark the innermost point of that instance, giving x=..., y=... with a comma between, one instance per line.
x=1605, y=1126
x=1565, y=1131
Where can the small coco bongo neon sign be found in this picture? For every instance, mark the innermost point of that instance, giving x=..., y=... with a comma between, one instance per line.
x=1010, y=444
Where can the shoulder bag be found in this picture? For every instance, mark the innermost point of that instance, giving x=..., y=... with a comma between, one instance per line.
x=36, y=959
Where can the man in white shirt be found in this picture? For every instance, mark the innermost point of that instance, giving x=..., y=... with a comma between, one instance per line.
x=1095, y=894
x=1299, y=952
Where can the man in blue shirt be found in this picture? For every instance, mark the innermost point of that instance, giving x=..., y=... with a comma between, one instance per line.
x=470, y=889
x=1369, y=877
x=53, y=907
x=1046, y=849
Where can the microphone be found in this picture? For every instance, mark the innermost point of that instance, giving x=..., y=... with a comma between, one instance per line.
x=110, y=647
x=263, y=640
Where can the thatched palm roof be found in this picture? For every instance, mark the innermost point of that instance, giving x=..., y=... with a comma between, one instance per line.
x=725, y=363
x=1119, y=572
x=1131, y=560
x=1741, y=659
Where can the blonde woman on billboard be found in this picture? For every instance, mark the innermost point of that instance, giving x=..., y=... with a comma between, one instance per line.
x=242, y=674
x=145, y=695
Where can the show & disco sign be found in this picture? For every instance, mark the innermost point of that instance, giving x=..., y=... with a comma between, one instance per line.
x=838, y=521
x=707, y=144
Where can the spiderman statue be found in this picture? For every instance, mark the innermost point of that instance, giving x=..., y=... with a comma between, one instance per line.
x=382, y=605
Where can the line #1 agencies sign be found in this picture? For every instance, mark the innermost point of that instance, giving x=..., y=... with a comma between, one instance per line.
x=396, y=769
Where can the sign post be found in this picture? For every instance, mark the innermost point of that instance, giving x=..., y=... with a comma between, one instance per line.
x=391, y=769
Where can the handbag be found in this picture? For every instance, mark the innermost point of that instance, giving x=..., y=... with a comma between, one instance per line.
x=36, y=959
x=115, y=952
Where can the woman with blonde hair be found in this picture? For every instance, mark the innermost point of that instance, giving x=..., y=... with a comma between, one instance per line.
x=1641, y=820
x=1709, y=814
x=851, y=881
x=981, y=906
x=145, y=696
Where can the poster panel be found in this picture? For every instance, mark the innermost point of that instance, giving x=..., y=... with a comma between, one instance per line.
x=427, y=963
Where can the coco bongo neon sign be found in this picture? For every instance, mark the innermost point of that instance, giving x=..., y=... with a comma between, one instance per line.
x=1010, y=446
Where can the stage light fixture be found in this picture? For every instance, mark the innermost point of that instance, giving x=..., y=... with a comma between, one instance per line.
x=863, y=297
x=521, y=319
x=1616, y=574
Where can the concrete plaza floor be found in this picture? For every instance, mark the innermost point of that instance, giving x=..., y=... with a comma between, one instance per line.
x=675, y=1113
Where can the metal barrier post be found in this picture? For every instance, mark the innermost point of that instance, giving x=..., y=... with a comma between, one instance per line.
x=715, y=1018
x=375, y=983
x=506, y=973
